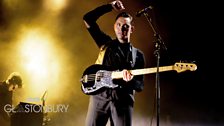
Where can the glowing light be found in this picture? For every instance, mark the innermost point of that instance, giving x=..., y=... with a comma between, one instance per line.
x=55, y=5
x=37, y=54
x=39, y=60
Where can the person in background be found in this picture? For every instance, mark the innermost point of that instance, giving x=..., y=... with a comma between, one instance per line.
x=7, y=87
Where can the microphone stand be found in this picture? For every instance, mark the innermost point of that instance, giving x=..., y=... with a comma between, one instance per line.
x=158, y=44
x=45, y=114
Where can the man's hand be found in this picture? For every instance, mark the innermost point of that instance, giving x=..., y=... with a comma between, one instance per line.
x=127, y=76
x=117, y=5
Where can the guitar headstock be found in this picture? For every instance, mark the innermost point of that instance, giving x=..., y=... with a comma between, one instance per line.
x=181, y=67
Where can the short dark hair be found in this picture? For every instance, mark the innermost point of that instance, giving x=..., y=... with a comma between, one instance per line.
x=124, y=14
x=15, y=78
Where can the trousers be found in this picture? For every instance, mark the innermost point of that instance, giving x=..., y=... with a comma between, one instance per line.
x=102, y=110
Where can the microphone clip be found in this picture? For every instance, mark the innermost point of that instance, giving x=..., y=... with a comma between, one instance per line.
x=139, y=13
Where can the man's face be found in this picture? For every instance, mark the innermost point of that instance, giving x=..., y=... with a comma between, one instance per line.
x=123, y=29
x=13, y=87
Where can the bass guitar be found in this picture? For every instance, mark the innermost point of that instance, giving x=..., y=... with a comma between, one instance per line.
x=96, y=76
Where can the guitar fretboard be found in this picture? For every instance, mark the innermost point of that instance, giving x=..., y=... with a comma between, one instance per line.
x=119, y=74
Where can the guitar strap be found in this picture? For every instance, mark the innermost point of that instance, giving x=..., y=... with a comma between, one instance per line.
x=101, y=54
x=103, y=50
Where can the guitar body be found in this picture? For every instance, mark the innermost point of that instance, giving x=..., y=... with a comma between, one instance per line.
x=95, y=78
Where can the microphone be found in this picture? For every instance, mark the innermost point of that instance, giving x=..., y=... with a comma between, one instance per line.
x=139, y=13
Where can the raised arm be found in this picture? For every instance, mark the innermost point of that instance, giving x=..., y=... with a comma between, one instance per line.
x=90, y=20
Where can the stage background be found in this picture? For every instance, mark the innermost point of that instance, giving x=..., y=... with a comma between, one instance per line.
x=47, y=42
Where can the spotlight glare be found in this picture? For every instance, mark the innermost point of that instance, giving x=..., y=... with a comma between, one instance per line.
x=39, y=60
x=55, y=5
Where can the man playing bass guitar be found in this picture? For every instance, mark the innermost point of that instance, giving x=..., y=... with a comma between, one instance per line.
x=117, y=103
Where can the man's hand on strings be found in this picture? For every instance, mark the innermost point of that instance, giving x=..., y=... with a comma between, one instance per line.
x=127, y=76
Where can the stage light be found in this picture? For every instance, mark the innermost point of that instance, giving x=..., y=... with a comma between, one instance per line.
x=55, y=5
x=39, y=60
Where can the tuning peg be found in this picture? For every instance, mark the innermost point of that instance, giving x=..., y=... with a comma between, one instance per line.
x=181, y=61
x=193, y=61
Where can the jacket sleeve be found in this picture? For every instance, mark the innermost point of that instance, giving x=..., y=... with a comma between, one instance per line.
x=91, y=18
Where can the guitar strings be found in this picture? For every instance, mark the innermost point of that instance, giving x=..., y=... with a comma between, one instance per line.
x=92, y=77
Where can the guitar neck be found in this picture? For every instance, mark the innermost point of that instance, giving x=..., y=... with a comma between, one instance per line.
x=119, y=74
